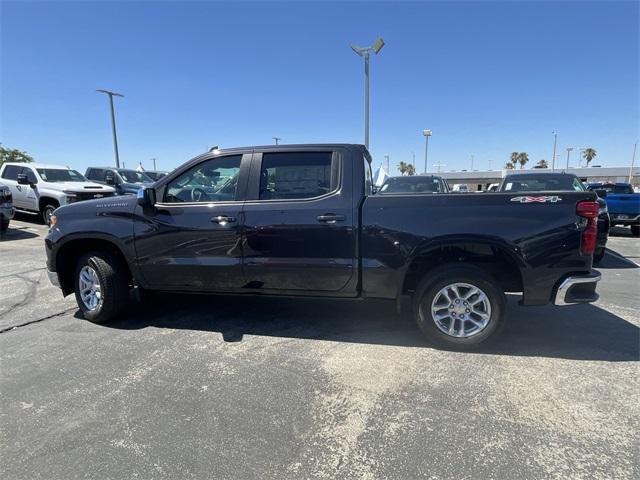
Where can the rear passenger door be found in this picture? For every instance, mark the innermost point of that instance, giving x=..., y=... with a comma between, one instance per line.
x=300, y=231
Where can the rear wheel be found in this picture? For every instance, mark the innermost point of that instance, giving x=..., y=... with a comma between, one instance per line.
x=101, y=286
x=460, y=307
x=635, y=230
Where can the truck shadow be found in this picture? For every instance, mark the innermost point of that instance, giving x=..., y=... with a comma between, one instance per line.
x=613, y=259
x=582, y=332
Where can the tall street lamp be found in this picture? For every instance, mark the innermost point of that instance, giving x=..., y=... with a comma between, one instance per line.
x=386, y=157
x=113, y=122
x=427, y=134
x=364, y=53
x=569, y=150
x=555, y=141
x=277, y=139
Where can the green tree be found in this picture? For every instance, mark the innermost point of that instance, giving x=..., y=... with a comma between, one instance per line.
x=411, y=170
x=523, y=158
x=509, y=165
x=402, y=166
x=589, y=154
x=13, y=155
x=542, y=164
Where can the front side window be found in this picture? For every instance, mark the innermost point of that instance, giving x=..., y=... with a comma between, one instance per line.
x=60, y=175
x=296, y=175
x=11, y=172
x=214, y=180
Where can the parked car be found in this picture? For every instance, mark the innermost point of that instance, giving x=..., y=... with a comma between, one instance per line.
x=414, y=184
x=155, y=175
x=6, y=208
x=302, y=220
x=552, y=182
x=623, y=203
x=124, y=180
x=460, y=187
x=41, y=188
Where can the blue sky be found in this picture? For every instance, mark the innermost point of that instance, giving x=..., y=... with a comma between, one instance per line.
x=487, y=77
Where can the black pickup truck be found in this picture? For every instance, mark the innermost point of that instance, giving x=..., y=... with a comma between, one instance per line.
x=304, y=220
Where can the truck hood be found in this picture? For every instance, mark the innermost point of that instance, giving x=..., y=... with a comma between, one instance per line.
x=78, y=187
x=124, y=204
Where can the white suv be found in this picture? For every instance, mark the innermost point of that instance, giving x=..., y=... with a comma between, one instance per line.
x=42, y=188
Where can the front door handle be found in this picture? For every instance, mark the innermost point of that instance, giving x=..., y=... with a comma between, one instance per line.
x=331, y=218
x=223, y=219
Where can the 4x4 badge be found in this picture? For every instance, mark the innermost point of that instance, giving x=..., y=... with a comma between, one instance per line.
x=541, y=199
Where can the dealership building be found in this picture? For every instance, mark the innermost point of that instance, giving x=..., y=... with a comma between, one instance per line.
x=477, y=180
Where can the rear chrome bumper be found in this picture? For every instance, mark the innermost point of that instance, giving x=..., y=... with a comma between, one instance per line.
x=578, y=289
x=53, y=278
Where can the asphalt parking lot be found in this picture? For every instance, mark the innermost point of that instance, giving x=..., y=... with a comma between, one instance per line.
x=227, y=387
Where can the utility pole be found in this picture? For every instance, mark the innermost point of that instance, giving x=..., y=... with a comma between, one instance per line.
x=113, y=122
x=472, y=162
x=154, y=163
x=427, y=133
x=413, y=154
x=277, y=139
x=555, y=141
x=387, y=159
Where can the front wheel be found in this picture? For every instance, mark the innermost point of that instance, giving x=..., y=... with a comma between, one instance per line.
x=459, y=307
x=47, y=213
x=101, y=286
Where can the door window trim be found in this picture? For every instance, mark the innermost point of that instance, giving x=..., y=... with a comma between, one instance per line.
x=245, y=163
x=253, y=187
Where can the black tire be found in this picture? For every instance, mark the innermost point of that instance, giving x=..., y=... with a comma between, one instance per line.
x=635, y=230
x=438, y=279
x=114, y=286
x=46, y=212
x=599, y=255
x=4, y=225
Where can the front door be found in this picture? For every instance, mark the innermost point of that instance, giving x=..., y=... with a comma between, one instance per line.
x=300, y=230
x=192, y=238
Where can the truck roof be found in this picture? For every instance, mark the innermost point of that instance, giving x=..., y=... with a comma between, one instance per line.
x=38, y=165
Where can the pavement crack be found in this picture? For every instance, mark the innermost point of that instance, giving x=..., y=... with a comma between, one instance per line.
x=48, y=317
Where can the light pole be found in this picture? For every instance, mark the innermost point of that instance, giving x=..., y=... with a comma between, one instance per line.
x=113, y=122
x=277, y=139
x=154, y=164
x=375, y=47
x=633, y=160
x=427, y=133
x=569, y=150
x=555, y=141
x=472, y=162
x=580, y=150
x=386, y=157
x=413, y=154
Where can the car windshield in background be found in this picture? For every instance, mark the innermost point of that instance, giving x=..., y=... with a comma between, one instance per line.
x=615, y=189
x=546, y=182
x=412, y=185
x=60, y=175
x=131, y=176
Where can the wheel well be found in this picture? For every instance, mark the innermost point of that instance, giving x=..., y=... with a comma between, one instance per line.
x=44, y=201
x=492, y=259
x=69, y=254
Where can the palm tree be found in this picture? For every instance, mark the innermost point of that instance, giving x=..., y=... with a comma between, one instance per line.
x=589, y=154
x=509, y=165
x=523, y=158
x=411, y=170
x=542, y=164
x=513, y=160
x=402, y=166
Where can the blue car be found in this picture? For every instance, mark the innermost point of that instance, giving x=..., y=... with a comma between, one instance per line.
x=623, y=204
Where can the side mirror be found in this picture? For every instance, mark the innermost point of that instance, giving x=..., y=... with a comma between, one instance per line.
x=22, y=179
x=109, y=180
x=601, y=193
x=146, y=197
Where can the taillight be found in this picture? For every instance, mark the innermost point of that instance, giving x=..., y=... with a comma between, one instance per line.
x=588, y=210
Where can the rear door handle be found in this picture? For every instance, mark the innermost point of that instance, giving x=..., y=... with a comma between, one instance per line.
x=331, y=218
x=223, y=219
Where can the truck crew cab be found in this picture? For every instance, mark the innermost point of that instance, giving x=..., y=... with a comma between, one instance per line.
x=304, y=220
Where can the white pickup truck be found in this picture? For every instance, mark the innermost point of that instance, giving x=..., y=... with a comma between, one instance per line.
x=40, y=188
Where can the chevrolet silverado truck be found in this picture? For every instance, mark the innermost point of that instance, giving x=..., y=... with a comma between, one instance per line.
x=39, y=188
x=305, y=220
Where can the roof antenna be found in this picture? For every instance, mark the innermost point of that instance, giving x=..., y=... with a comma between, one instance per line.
x=215, y=147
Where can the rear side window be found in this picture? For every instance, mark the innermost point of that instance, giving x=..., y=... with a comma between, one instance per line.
x=94, y=174
x=11, y=172
x=296, y=175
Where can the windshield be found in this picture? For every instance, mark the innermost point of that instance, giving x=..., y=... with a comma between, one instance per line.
x=131, y=176
x=412, y=185
x=60, y=175
x=542, y=183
